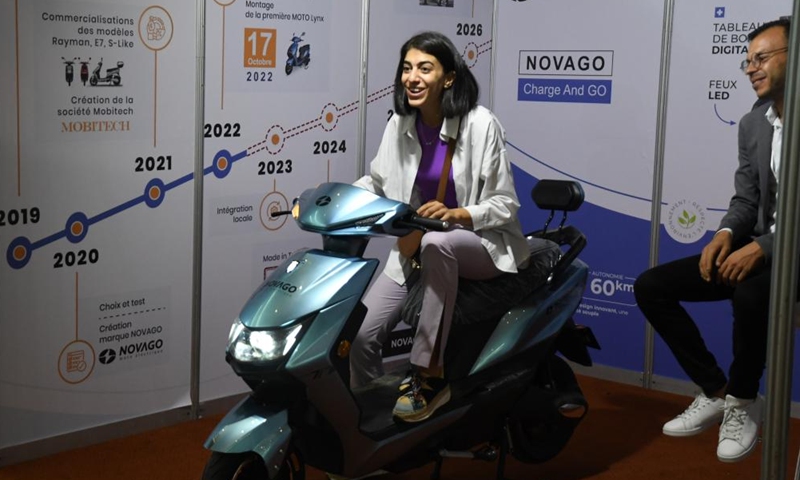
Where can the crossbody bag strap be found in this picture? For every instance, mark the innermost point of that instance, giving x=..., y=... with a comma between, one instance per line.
x=409, y=244
x=448, y=161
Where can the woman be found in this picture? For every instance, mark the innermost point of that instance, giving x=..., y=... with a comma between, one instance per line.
x=435, y=102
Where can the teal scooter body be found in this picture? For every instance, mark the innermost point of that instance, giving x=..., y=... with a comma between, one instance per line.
x=291, y=340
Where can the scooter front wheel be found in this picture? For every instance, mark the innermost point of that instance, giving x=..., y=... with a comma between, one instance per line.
x=249, y=466
x=288, y=69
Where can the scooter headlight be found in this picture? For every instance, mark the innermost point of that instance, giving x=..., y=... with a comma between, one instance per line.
x=249, y=346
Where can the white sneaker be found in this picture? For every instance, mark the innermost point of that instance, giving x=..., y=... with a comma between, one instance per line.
x=739, y=430
x=701, y=414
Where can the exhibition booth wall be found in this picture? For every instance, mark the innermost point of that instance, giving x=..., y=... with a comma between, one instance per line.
x=143, y=148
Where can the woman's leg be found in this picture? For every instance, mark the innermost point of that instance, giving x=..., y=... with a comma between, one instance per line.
x=445, y=256
x=383, y=301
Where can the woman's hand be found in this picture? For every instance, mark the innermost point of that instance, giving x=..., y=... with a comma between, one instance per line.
x=439, y=211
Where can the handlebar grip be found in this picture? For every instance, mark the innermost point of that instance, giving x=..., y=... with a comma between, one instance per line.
x=430, y=223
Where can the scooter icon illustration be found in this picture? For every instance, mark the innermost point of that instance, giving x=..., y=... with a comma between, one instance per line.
x=111, y=77
x=69, y=71
x=85, y=70
x=299, y=56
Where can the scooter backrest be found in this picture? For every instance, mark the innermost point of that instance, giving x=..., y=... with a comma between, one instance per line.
x=562, y=195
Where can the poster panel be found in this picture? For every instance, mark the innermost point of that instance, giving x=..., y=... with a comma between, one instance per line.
x=468, y=24
x=96, y=160
x=578, y=99
x=281, y=115
x=708, y=94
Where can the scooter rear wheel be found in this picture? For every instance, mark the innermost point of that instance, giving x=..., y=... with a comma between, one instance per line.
x=249, y=466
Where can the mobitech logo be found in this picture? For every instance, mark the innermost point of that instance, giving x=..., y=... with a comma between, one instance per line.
x=588, y=63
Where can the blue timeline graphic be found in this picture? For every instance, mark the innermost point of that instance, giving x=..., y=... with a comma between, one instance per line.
x=21, y=249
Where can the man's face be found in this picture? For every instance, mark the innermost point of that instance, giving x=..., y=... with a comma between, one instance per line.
x=768, y=50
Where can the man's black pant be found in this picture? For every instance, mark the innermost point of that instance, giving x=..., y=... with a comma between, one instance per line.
x=658, y=293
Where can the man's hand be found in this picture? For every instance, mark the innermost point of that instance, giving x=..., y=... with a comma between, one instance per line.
x=740, y=264
x=715, y=253
x=439, y=211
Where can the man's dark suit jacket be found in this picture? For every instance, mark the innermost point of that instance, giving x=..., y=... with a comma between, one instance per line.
x=752, y=206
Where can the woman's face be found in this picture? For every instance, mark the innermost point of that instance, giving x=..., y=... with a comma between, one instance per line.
x=424, y=80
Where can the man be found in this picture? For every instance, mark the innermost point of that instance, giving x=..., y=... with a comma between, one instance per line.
x=736, y=265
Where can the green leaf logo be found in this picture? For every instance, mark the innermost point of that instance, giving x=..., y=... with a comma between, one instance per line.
x=686, y=220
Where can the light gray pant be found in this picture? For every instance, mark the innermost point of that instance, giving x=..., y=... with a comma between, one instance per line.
x=445, y=257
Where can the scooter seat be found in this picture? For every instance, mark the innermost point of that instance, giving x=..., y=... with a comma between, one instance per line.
x=487, y=300
x=480, y=301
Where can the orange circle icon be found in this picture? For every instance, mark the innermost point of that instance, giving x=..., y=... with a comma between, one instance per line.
x=329, y=117
x=222, y=163
x=76, y=228
x=155, y=28
x=76, y=362
x=19, y=253
x=154, y=193
x=276, y=139
x=471, y=55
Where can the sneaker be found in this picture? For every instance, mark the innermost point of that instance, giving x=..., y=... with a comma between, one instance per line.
x=701, y=414
x=739, y=430
x=424, y=397
x=405, y=383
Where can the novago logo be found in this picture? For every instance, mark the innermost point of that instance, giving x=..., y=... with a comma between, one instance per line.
x=594, y=63
x=561, y=76
x=285, y=286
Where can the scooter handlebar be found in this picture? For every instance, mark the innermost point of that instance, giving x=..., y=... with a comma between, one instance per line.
x=280, y=213
x=417, y=222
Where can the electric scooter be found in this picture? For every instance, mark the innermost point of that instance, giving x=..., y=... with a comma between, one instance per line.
x=112, y=75
x=85, y=70
x=299, y=56
x=511, y=392
x=69, y=70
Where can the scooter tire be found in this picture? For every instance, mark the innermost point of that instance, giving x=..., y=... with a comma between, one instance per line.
x=249, y=466
x=93, y=81
x=116, y=81
x=288, y=69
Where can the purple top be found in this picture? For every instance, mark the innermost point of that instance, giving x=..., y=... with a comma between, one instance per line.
x=434, y=150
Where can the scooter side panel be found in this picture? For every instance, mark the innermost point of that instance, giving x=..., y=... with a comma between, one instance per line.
x=536, y=319
x=308, y=281
x=313, y=348
x=249, y=427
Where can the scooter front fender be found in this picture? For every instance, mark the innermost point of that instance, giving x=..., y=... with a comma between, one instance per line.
x=252, y=427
